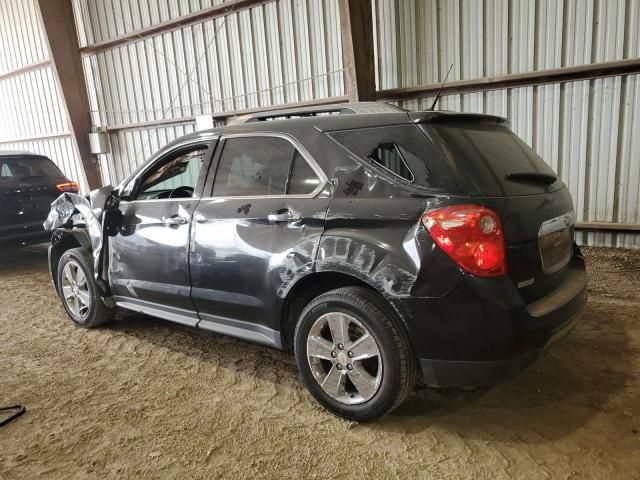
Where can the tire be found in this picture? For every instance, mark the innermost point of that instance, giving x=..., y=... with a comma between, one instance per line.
x=384, y=380
x=96, y=312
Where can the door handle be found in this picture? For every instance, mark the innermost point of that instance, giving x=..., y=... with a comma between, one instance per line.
x=286, y=216
x=174, y=220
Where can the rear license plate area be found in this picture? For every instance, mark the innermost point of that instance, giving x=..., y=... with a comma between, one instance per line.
x=555, y=242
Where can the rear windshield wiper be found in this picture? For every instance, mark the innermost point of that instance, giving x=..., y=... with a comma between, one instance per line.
x=546, y=178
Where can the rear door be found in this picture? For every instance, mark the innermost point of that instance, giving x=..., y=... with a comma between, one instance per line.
x=257, y=233
x=504, y=173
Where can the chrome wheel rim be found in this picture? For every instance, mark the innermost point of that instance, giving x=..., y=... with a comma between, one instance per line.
x=75, y=289
x=344, y=358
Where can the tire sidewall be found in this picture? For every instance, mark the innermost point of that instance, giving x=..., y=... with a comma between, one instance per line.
x=384, y=398
x=82, y=262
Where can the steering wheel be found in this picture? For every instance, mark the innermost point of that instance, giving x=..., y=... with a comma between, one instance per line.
x=187, y=190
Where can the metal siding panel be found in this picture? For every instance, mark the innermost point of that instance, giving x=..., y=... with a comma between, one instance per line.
x=387, y=44
x=602, y=164
x=21, y=37
x=256, y=57
x=629, y=196
x=472, y=45
x=449, y=44
x=427, y=41
x=406, y=35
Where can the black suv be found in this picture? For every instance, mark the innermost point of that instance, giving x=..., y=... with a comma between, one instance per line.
x=380, y=247
x=28, y=185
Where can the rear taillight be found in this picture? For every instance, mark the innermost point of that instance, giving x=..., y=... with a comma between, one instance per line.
x=68, y=187
x=471, y=235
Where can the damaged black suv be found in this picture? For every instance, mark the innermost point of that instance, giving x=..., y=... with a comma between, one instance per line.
x=382, y=248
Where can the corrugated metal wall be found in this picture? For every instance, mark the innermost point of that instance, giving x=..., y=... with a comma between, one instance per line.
x=280, y=52
x=290, y=50
x=32, y=113
x=586, y=130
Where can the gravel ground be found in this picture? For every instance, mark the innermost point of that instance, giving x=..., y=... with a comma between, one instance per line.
x=148, y=399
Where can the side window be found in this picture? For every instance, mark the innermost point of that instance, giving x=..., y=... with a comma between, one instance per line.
x=303, y=179
x=402, y=150
x=389, y=156
x=261, y=165
x=175, y=177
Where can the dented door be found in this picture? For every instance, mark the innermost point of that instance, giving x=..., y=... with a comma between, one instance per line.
x=248, y=250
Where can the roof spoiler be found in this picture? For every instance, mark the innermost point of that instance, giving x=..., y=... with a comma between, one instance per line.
x=446, y=116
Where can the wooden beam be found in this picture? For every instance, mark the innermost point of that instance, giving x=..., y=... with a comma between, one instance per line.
x=56, y=17
x=514, y=80
x=24, y=69
x=608, y=226
x=173, y=24
x=357, y=49
x=230, y=113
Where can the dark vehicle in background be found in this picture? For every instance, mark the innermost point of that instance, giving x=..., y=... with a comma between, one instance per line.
x=28, y=185
x=380, y=247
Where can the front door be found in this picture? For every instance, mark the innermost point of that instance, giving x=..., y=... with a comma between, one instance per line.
x=149, y=257
x=256, y=235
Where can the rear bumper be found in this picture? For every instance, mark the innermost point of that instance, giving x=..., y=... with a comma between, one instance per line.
x=481, y=332
x=443, y=373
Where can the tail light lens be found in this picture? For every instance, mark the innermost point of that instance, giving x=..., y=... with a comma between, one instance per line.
x=471, y=235
x=68, y=187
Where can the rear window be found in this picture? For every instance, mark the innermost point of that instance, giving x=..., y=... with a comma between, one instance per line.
x=487, y=153
x=19, y=168
x=402, y=152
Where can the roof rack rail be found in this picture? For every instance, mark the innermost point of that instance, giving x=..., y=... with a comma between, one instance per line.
x=299, y=112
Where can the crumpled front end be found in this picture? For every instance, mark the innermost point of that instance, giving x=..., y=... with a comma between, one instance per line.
x=83, y=218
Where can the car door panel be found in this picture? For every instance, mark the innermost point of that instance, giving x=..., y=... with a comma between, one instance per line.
x=149, y=259
x=248, y=250
x=242, y=264
x=149, y=256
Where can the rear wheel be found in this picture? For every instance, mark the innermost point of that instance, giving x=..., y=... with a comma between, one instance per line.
x=352, y=355
x=79, y=292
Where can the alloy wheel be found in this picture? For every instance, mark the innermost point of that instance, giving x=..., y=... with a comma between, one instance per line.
x=344, y=358
x=75, y=289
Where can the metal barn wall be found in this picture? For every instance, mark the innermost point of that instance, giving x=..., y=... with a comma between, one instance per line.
x=586, y=130
x=280, y=52
x=32, y=113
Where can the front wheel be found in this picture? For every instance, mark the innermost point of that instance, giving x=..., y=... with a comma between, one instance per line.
x=79, y=292
x=353, y=356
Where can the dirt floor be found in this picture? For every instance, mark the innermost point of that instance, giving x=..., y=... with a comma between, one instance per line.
x=147, y=399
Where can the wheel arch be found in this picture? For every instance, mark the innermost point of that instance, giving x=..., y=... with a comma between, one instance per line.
x=312, y=285
x=63, y=240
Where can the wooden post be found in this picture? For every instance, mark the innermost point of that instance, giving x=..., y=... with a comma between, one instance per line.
x=357, y=49
x=56, y=17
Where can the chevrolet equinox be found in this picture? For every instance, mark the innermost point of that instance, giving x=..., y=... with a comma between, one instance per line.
x=383, y=248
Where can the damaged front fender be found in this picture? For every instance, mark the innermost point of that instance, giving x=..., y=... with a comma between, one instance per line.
x=97, y=214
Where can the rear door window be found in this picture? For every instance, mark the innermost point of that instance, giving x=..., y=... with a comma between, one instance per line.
x=263, y=166
x=487, y=153
x=403, y=152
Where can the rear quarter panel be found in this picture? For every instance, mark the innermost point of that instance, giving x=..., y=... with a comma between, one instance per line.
x=374, y=233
